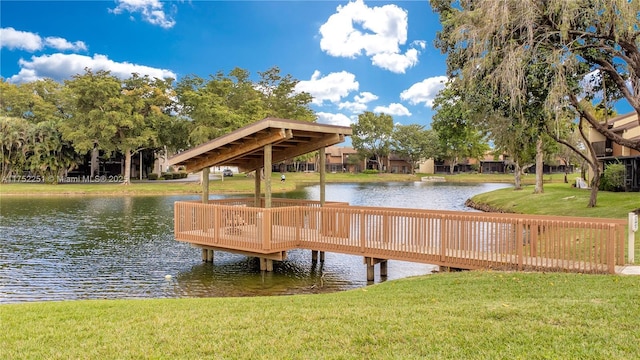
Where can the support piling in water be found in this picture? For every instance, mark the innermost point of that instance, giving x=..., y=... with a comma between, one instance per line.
x=207, y=255
x=371, y=262
x=266, y=264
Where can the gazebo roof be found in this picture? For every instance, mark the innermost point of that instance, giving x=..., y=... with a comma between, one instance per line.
x=244, y=147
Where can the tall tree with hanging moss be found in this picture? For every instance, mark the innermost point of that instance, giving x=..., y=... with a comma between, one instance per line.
x=584, y=44
x=458, y=136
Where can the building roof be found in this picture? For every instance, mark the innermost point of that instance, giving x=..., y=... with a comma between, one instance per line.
x=339, y=151
x=618, y=118
x=244, y=147
x=622, y=127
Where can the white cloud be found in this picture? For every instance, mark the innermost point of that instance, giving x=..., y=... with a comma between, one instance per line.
x=365, y=97
x=360, y=103
x=15, y=39
x=63, y=66
x=334, y=119
x=61, y=44
x=419, y=43
x=377, y=31
x=152, y=11
x=393, y=109
x=332, y=87
x=354, y=107
x=396, y=63
x=31, y=42
x=424, y=91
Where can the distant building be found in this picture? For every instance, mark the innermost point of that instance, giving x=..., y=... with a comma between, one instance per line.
x=608, y=152
x=343, y=159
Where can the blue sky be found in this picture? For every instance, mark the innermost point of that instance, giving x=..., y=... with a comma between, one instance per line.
x=351, y=56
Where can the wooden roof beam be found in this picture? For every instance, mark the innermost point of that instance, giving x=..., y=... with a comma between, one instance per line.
x=326, y=140
x=242, y=148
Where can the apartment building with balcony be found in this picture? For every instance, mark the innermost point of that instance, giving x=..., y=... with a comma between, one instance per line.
x=609, y=152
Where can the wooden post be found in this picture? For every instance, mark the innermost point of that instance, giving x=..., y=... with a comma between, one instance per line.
x=314, y=256
x=443, y=239
x=256, y=185
x=533, y=239
x=383, y=268
x=266, y=264
x=323, y=171
x=362, y=231
x=205, y=185
x=520, y=244
x=632, y=228
x=370, y=268
x=267, y=175
x=611, y=251
x=207, y=255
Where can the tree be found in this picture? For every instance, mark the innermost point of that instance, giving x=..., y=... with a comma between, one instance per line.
x=15, y=100
x=49, y=155
x=218, y=105
x=509, y=131
x=583, y=147
x=414, y=143
x=457, y=134
x=511, y=136
x=372, y=135
x=280, y=98
x=14, y=141
x=112, y=115
x=36, y=101
x=579, y=40
x=147, y=104
x=225, y=103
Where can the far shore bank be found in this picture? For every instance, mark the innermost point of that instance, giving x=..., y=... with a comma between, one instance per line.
x=559, y=198
x=238, y=184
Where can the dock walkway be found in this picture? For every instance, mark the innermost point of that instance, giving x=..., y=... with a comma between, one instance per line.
x=450, y=239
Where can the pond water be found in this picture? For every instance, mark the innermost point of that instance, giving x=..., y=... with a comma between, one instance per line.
x=63, y=248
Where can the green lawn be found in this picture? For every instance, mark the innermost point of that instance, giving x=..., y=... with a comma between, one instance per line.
x=561, y=199
x=467, y=315
x=472, y=315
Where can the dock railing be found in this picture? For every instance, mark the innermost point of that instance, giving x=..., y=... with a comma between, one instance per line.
x=468, y=240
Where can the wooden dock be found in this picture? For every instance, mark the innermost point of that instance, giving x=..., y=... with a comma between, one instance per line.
x=463, y=240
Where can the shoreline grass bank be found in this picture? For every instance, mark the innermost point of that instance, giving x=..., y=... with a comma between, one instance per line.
x=472, y=315
x=236, y=184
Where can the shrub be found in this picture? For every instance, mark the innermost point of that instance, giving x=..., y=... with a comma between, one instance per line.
x=613, y=178
x=153, y=176
x=370, y=171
